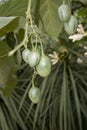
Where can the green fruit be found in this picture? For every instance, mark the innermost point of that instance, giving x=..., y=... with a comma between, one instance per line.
x=71, y=25
x=44, y=66
x=83, y=1
x=64, y=12
x=34, y=58
x=26, y=54
x=34, y=94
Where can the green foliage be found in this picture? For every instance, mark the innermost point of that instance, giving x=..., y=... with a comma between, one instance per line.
x=7, y=70
x=48, y=12
x=10, y=118
x=12, y=8
x=8, y=24
x=5, y=20
x=63, y=101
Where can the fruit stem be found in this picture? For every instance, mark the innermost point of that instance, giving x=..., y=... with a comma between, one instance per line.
x=69, y=3
x=42, y=51
x=63, y=1
x=28, y=17
x=36, y=42
x=33, y=77
x=3, y=56
x=25, y=40
x=16, y=48
x=32, y=44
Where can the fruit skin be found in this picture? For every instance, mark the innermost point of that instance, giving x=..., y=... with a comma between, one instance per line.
x=34, y=94
x=44, y=66
x=83, y=1
x=64, y=12
x=26, y=54
x=71, y=25
x=34, y=58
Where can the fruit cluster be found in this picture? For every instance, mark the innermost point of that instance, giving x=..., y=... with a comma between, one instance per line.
x=40, y=61
x=42, y=64
x=70, y=21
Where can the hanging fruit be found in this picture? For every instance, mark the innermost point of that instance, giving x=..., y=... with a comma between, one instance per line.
x=34, y=94
x=71, y=25
x=26, y=54
x=34, y=58
x=44, y=66
x=64, y=12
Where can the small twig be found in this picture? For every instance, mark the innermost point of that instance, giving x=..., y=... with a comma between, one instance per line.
x=25, y=40
x=16, y=48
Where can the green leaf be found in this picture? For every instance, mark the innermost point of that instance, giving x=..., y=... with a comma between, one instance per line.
x=8, y=24
x=5, y=21
x=11, y=84
x=12, y=111
x=14, y=8
x=50, y=19
x=63, y=101
x=75, y=93
x=7, y=70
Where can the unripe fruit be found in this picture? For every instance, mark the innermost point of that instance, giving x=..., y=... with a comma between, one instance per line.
x=44, y=66
x=26, y=54
x=71, y=25
x=64, y=12
x=34, y=58
x=34, y=94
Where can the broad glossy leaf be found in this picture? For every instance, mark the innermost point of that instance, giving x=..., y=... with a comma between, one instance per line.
x=14, y=8
x=8, y=24
x=7, y=69
x=49, y=15
x=6, y=20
